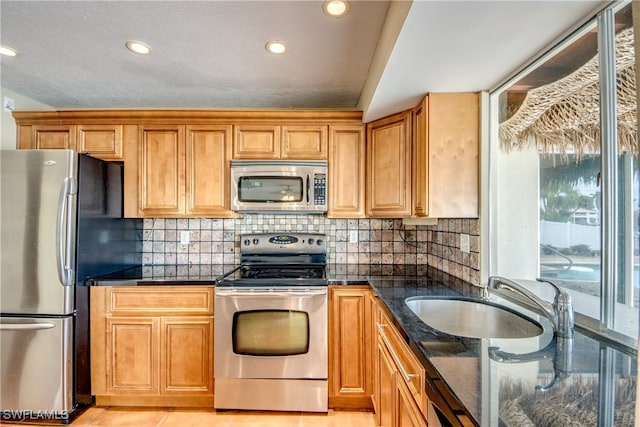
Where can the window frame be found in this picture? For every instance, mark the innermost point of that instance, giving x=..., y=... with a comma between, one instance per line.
x=604, y=19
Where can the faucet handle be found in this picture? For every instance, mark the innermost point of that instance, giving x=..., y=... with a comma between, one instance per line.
x=564, y=310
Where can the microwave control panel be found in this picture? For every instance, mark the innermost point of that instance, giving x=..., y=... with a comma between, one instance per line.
x=319, y=189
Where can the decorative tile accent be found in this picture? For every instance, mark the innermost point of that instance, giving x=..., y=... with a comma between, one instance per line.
x=380, y=241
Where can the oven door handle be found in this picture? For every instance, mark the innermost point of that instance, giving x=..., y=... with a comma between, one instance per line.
x=306, y=293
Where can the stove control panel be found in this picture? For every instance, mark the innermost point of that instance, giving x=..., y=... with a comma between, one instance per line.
x=283, y=243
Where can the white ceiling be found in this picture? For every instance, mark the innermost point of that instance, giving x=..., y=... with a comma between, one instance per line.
x=381, y=58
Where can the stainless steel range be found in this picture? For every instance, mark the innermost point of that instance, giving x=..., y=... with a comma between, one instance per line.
x=271, y=345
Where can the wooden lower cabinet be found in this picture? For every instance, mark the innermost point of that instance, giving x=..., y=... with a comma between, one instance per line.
x=132, y=355
x=386, y=385
x=399, y=395
x=407, y=411
x=152, y=347
x=350, y=358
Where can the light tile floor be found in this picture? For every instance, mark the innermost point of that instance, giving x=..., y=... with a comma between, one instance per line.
x=178, y=417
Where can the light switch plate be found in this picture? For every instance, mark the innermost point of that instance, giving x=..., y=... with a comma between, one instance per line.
x=464, y=243
x=353, y=236
x=184, y=237
x=9, y=104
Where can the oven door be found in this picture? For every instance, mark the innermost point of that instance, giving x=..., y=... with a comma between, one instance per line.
x=271, y=333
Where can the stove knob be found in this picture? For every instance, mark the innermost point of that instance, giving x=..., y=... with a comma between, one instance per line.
x=320, y=242
x=256, y=241
x=311, y=241
x=247, y=242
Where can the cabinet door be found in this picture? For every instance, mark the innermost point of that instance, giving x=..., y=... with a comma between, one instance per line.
x=101, y=141
x=53, y=137
x=389, y=167
x=304, y=142
x=161, y=171
x=453, y=139
x=407, y=412
x=256, y=142
x=346, y=172
x=187, y=355
x=420, y=159
x=409, y=367
x=386, y=393
x=207, y=170
x=133, y=362
x=350, y=377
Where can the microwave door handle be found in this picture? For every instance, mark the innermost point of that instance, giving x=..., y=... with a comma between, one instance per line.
x=308, y=187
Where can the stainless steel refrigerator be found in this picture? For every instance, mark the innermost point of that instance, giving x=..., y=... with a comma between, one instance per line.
x=61, y=223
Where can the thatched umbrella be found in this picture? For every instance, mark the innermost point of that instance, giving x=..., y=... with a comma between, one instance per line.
x=565, y=115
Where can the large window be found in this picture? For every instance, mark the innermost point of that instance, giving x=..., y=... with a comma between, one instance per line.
x=564, y=175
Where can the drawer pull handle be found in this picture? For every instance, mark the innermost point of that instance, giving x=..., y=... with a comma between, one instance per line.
x=406, y=375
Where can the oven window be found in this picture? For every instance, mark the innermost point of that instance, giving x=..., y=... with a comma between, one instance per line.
x=270, y=333
x=275, y=189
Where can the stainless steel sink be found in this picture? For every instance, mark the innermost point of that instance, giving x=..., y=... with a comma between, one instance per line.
x=473, y=318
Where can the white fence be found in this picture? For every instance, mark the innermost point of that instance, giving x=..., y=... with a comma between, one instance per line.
x=567, y=234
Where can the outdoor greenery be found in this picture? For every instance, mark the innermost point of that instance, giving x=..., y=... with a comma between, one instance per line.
x=560, y=177
x=559, y=200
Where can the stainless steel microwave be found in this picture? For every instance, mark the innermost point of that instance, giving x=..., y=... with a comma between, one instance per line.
x=286, y=186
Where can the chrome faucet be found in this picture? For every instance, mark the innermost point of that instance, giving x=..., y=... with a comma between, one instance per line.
x=560, y=313
x=559, y=350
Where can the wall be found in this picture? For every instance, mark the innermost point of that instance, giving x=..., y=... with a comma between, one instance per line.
x=7, y=124
x=517, y=214
x=380, y=241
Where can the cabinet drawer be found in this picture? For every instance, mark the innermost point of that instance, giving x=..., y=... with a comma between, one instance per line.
x=304, y=142
x=409, y=367
x=101, y=141
x=256, y=142
x=166, y=300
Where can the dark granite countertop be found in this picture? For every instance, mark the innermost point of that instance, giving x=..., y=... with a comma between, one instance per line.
x=592, y=374
x=509, y=392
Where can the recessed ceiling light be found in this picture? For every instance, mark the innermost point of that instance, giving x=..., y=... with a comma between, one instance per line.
x=275, y=46
x=335, y=8
x=138, y=47
x=7, y=51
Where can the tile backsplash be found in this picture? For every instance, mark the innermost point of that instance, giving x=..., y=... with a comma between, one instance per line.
x=379, y=241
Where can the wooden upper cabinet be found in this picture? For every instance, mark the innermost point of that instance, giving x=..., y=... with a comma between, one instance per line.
x=293, y=142
x=420, y=159
x=101, y=141
x=53, y=137
x=161, y=157
x=388, y=176
x=446, y=156
x=208, y=162
x=346, y=172
x=184, y=171
x=256, y=142
x=304, y=142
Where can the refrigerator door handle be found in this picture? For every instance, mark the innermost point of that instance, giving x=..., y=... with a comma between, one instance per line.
x=64, y=234
x=26, y=326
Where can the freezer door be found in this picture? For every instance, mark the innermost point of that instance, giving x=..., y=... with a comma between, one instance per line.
x=36, y=366
x=37, y=231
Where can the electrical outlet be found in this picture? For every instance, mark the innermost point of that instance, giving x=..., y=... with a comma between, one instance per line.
x=353, y=236
x=464, y=243
x=184, y=237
